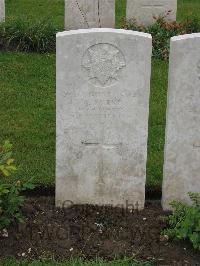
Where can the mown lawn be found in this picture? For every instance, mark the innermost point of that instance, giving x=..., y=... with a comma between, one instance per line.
x=27, y=86
x=188, y=8
x=34, y=10
x=28, y=112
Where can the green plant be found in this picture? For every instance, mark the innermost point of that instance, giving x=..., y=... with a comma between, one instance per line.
x=184, y=222
x=7, y=166
x=161, y=32
x=10, y=195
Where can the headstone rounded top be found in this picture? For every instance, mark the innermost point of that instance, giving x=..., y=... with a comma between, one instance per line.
x=185, y=37
x=104, y=30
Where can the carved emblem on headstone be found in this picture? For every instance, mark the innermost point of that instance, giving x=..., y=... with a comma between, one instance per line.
x=102, y=64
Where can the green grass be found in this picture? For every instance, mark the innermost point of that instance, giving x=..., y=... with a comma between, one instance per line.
x=158, y=101
x=28, y=112
x=75, y=262
x=120, y=10
x=187, y=8
x=34, y=10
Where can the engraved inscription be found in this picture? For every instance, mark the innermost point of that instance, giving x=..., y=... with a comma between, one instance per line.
x=196, y=146
x=152, y=5
x=102, y=64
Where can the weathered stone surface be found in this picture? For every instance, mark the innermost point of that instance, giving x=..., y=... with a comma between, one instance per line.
x=144, y=11
x=84, y=14
x=103, y=81
x=182, y=146
x=2, y=10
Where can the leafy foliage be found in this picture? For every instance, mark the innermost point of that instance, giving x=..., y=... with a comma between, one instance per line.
x=162, y=31
x=184, y=223
x=7, y=166
x=10, y=195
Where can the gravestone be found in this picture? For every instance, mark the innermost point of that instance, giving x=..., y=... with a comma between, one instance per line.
x=144, y=11
x=103, y=84
x=83, y=14
x=2, y=10
x=182, y=146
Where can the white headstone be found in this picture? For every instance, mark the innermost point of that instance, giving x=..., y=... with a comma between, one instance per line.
x=84, y=14
x=103, y=84
x=144, y=11
x=182, y=147
x=2, y=10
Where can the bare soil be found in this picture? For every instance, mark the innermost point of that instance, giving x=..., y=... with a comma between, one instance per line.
x=92, y=231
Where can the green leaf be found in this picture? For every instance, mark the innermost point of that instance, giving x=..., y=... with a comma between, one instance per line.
x=10, y=161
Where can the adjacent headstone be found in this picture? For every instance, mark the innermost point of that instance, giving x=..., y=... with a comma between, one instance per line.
x=2, y=10
x=182, y=146
x=103, y=84
x=84, y=14
x=145, y=11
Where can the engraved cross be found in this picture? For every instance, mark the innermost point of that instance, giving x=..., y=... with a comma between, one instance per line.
x=101, y=146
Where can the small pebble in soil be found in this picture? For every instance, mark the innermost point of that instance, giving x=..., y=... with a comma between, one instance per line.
x=29, y=250
x=164, y=238
x=4, y=233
